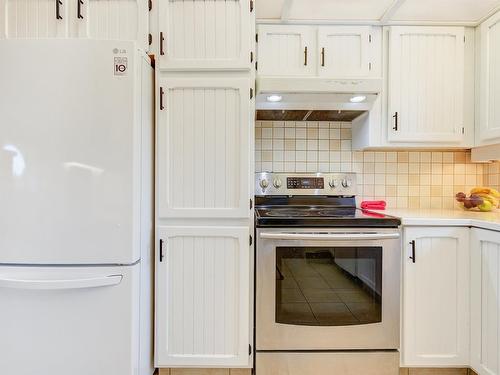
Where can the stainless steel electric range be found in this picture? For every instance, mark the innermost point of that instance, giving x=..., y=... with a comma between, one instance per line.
x=327, y=277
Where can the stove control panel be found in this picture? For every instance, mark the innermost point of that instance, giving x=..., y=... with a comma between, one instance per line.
x=336, y=184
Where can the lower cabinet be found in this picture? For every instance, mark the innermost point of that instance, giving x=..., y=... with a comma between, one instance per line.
x=485, y=305
x=436, y=297
x=203, y=297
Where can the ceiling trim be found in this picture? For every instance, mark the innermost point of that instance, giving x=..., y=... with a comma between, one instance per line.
x=285, y=10
x=274, y=21
x=489, y=14
x=396, y=4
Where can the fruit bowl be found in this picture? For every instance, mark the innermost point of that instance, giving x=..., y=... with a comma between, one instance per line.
x=482, y=199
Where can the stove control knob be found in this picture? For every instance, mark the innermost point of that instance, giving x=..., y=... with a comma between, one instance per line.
x=333, y=183
x=277, y=183
x=264, y=184
x=346, y=183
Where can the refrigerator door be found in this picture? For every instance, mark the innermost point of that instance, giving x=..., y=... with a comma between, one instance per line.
x=70, y=151
x=69, y=320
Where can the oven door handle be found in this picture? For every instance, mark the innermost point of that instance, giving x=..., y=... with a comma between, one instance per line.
x=329, y=236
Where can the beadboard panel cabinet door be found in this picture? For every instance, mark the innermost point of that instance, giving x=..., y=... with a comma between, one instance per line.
x=485, y=302
x=203, y=297
x=287, y=50
x=206, y=34
x=344, y=51
x=436, y=297
x=203, y=151
x=426, y=85
x=33, y=19
x=112, y=20
x=489, y=128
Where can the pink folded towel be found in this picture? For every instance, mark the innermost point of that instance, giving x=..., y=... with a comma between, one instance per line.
x=373, y=205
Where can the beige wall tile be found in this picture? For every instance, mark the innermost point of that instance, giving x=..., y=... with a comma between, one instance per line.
x=404, y=179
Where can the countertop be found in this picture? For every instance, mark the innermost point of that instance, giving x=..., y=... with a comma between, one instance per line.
x=449, y=217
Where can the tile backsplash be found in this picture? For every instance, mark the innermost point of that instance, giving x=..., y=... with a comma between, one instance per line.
x=414, y=179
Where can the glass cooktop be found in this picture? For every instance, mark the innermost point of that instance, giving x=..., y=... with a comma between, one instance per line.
x=326, y=216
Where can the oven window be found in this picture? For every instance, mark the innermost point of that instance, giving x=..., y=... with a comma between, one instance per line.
x=328, y=286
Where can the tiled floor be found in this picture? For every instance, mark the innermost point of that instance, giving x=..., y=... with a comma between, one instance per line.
x=319, y=292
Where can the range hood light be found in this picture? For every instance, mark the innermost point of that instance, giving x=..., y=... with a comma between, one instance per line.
x=274, y=98
x=358, y=99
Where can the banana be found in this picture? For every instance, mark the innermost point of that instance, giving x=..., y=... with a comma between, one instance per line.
x=485, y=190
x=488, y=197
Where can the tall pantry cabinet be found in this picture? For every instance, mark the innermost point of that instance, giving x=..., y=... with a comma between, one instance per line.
x=205, y=53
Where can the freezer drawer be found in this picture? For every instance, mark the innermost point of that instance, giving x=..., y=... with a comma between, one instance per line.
x=69, y=320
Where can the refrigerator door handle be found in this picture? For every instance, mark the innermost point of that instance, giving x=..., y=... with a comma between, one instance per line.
x=34, y=284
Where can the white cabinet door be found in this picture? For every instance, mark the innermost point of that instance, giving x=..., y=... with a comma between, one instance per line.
x=485, y=301
x=203, y=297
x=489, y=130
x=287, y=50
x=436, y=297
x=203, y=137
x=205, y=34
x=111, y=20
x=33, y=19
x=344, y=51
x=426, y=85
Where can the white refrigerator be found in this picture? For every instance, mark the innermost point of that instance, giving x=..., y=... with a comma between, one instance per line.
x=76, y=208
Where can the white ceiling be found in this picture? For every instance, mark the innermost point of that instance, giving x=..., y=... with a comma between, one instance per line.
x=387, y=11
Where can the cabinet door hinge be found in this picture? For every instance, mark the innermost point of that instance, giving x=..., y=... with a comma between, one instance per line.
x=369, y=66
x=251, y=204
x=249, y=349
x=150, y=39
x=150, y=5
x=256, y=65
x=251, y=93
x=256, y=38
x=251, y=56
x=370, y=38
x=250, y=240
x=463, y=130
x=161, y=250
x=251, y=6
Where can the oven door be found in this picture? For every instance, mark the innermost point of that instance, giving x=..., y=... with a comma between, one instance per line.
x=328, y=289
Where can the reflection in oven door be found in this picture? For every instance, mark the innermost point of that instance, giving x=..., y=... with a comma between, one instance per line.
x=320, y=286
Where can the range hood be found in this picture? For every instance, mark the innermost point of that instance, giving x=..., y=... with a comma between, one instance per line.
x=312, y=94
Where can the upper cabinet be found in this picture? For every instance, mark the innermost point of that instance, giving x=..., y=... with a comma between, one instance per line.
x=325, y=51
x=489, y=93
x=206, y=34
x=344, y=51
x=287, y=50
x=426, y=86
x=34, y=19
x=94, y=19
x=113, y=19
